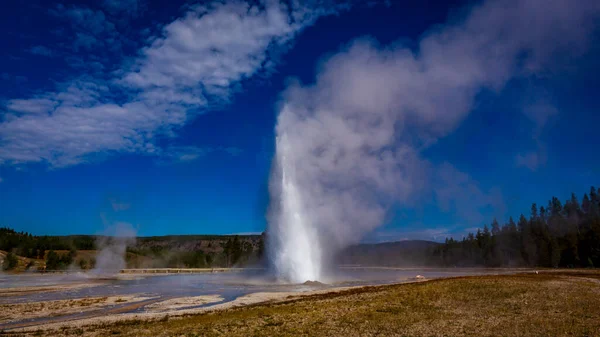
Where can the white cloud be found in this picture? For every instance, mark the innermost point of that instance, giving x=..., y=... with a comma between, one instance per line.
x=216, y=46
x=182, y=154
x=35, y=106
x=41, y=50
x=82, y=124
x=531, y=160
x=85, y=41
x=185, y=153
x=131, y=7
x=199, y=60
x=119, y=206
x=89, y=30
x=457, y=192
x=234, y=151
x=89, y=20
x=540, y=111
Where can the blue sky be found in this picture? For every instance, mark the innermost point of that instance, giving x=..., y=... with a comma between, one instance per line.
x=163, y=115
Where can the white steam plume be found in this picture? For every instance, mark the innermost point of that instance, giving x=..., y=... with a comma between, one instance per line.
x=348, y=146
x=112, y=249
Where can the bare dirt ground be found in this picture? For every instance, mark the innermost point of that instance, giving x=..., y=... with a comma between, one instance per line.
x=551, y=303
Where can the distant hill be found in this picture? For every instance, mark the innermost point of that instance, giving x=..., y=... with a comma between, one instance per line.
x=199, y=250
x=407, y=253
x=79, y=251
x=206, y=243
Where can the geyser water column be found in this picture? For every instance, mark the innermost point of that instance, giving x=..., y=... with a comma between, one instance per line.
x=297, y=255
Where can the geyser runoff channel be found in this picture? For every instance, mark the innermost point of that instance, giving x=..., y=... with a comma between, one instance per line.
x=297, y=249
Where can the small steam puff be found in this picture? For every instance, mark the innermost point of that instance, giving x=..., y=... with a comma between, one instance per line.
x=112, y=249
x=348, y=146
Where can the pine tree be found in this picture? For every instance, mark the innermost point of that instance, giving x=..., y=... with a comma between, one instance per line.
x=52, y=261
x=534, y=212
x=10, y=261
x=585, y=204
x=495, y=227
x=575, y=209
x=523, y=224
x=594, y=208
x=511, y=227
x=236, y=250
x=261, y=245
x=542, y=217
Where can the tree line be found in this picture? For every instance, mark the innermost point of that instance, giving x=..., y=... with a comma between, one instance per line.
x=35, y=247
x=230, y=253
x=556, y=235
x=60, y=252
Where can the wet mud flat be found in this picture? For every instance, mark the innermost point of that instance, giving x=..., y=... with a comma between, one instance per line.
x=72, y=301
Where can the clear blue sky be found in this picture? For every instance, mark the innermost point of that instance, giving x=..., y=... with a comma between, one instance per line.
x=162, y=114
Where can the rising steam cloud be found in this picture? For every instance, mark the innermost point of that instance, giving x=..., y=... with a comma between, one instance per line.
x=348, y=147
x=112, y=249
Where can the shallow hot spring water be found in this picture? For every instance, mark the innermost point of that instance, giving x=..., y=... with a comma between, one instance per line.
x=228, y=285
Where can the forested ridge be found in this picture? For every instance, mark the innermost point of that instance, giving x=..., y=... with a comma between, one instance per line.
x=556, y=235
x=175, y=251
x=27, y=245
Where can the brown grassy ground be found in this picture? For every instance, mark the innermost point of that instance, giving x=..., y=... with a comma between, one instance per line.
x=548, y=304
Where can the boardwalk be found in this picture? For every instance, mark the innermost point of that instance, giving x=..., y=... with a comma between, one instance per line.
x=181, y=270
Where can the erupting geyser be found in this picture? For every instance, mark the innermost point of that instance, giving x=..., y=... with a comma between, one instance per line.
x=299, y=257
x=348, y=147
